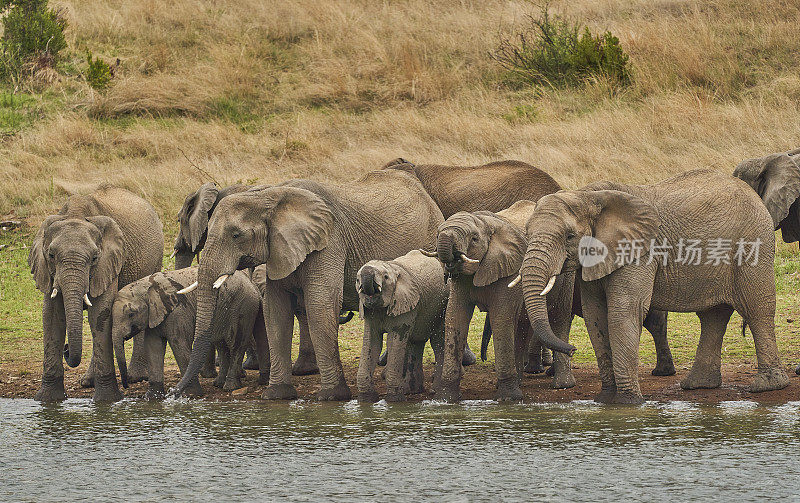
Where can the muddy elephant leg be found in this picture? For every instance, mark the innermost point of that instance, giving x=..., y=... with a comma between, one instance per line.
x=397, y=351
x=595, y=314
x=535, y=365
x=414, y=370
x=626, y=314
x=233, y=378
x=771, y=375
x=181, y=350
x=370, y=348
x=210, y=365
x=560, y=322
x=224, y=364
x=547, y=357
x=456, y=322
x=137, y=371
x=323, y=305
x=155, y=346
x=707, y=368
x=54, y=333
x=106, y=388
x=504, y=330
x=306, y=363
x=87, y=380
x=656, y=324
x=261, y=346
x=279, y=322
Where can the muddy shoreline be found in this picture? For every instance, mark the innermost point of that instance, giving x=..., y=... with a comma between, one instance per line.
x=478, y=384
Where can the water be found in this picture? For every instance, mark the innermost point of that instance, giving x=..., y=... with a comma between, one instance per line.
x=476, y=451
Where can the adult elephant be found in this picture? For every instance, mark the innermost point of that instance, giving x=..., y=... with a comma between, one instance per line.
x=313, y=238
x=643, y=237
x=494, y=187
x=96, y=244
x=193, y=218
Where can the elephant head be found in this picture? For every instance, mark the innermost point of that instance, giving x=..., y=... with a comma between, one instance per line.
x=275, y=226
x=776, y=179
x=77, y=258
x=386, y=285
x=141, y=305
x=193, y=223
x=564, y=222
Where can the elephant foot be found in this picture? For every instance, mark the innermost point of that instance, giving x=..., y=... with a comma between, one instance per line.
x=606, y=394
x=449, y=391
x=534, y=367
x=468, y=358
x=155, y=391
x=563, y=380
x=547, y=357
x=87, y=381
x=664, y=369
x=383, y=358
x=251, y=363
x=106, y=389
x=702, y=379
x=51, y=390
x=219, y=381
x=395, y=394
x=194, y=389
x=137, y=373
x=263, y=377
x=368, y=396
x=208, y=371
x=627, y=398
x=281, y=391
x=508, y=390
x=340, y=393
x=305, y=365
x=232, y=383
x=769, y=380
x=551, y=371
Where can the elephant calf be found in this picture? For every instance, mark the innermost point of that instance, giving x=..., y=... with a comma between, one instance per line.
x=406, y=299
x=162, y=307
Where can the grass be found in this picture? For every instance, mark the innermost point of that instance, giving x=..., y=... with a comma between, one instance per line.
x=252, y=91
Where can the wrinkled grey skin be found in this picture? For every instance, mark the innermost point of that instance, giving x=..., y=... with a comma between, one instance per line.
x=404, y=298
x=497, y=241
x=153, y=305
x=96, y=244
x=776, y=180
x=698, y=204
x=494, y=187
x=313, y=238
x=193, y=219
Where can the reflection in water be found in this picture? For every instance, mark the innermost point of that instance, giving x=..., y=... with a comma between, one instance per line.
x=305, y=451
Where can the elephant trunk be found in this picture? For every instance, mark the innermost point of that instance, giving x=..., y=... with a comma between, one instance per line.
x=118, y=340
x=537, y=270
x=444, y=247
x=74, y=285
x=368, y=284
x=183, y=258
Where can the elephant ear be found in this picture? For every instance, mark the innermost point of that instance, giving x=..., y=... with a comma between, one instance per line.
x=399, y=163
x=298, y=224
x=193, y=216
x=406, y=293
x=36, y=257
x=619, y=219
x=112, y=255
x=776, y=179
x=505, y=252
x=162, y=299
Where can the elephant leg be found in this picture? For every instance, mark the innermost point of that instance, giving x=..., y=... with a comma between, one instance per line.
x=771, y=375
x=656, y=324
x=323, y=305
x=251, y=359
x=707, y=368
x=155, y=346
x=595, y=314
x=106, y=388
x=370, y=348
x=54, y=330
x=414, y=371
x=505, y=363
x=535, y=365
x=224, y=364
x=279, y=322
x=561, y=322
x=137, y=371
x=233, y=380
x=437, y=344
x=306, y=363
x=626, y=313
x=456, y=322
x=547, y=357
x=396, y=364
x=468, y=357
x=210, y=365
x=87, y=380
x=261, y=347
x=181, y=350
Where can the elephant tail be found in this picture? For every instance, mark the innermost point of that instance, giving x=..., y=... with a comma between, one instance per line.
x=487, y=336
x=744, y=326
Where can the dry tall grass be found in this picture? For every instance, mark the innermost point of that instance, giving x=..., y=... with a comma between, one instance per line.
x=328, y=89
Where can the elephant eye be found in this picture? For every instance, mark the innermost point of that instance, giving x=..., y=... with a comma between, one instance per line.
x=571, y=235
x=94, y=258
x=236, y=234
x=51, y=255
x=475, y=238
x=385, y=276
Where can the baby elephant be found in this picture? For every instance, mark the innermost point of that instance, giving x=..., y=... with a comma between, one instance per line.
x=405, y=298
x=163, y=308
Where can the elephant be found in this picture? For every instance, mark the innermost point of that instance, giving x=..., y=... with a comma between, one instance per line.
x=96, y=244
x=406, y=299
x=494, y=187
x=193, y=219
x=620, y=238
x=162, y=307
x=482, y=252
x=313, y=238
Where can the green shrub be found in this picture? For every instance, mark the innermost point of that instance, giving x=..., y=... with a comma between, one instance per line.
x=98, y=75
x=556, y=51
x=31, y=33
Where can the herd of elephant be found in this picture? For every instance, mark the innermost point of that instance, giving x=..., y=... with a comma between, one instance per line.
x=414, y=249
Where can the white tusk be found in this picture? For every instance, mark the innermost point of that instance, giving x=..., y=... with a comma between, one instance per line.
x=188, y=288
x=174, y=252
x=221, y=280
x=379, y=289
x=549, y=285
x=428, y=254
x=86, y=299
x=469, y=260
x=515, y=282
x=54, y=293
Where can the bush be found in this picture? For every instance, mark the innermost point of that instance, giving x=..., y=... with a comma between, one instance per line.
x=32, y=33
x=558, y=52
x=98, y=75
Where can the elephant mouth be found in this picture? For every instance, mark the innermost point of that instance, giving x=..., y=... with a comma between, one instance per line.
x=373, y=301
x=247, y=261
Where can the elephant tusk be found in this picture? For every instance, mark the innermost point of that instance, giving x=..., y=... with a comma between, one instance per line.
x=54, y=293
x=188, y=288
x=86, y=299
x=428, y=254
x=221, y=280
x=378, y=289
x=549, y=285
x=469, y=260
x=174, y=252
x=515, y=281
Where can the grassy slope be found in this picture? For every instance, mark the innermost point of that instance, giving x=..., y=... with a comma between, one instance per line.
x=326, y=89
